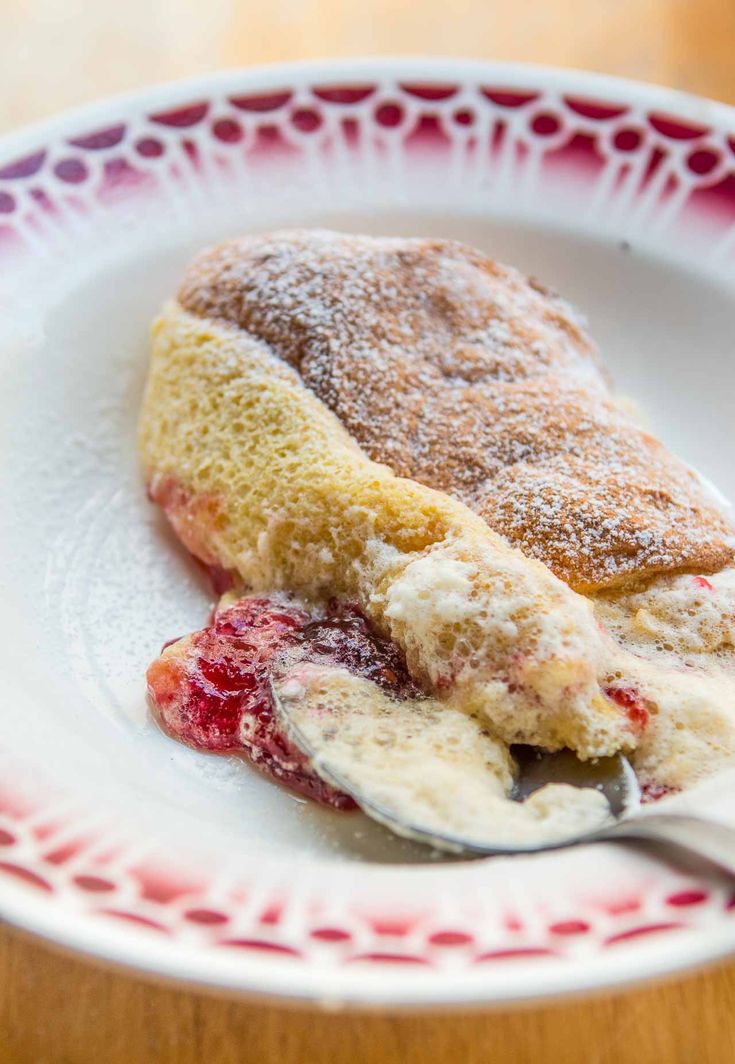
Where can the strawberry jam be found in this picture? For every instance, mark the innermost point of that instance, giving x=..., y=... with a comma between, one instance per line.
x=635, y=708
x=211, y=689
x=654, y=792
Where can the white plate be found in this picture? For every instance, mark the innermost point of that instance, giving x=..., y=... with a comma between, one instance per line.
x=116, y=840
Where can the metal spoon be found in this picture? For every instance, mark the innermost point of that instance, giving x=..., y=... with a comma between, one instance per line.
x=612, y=776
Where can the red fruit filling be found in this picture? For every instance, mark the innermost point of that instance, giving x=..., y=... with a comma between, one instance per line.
x=629, y=700
x=222, y=579
x=652, y=792
x=192, y=518
x=702, y=581
x=211, y=689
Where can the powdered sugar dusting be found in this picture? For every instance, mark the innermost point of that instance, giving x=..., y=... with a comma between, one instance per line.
x=464, y=375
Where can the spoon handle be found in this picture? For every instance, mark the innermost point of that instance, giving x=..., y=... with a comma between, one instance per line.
x=710, y=839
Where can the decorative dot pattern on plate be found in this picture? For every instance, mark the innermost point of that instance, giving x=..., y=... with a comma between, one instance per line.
x=506, y=136
x=686, y=158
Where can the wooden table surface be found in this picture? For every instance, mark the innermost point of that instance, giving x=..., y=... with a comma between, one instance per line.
x=58, y=53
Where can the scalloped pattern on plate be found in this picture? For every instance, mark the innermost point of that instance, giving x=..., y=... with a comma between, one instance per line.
x=641, y=165
x=634, y=163
x=99, y=872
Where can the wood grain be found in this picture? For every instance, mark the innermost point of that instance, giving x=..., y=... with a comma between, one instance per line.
x=57, y=1009
x=58, y=53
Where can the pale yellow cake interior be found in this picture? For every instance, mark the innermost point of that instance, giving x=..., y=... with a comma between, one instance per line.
x=259, y=477
x=294, y=503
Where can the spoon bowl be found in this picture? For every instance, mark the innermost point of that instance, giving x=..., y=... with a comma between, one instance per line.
x=612, y=777
x=350, y=732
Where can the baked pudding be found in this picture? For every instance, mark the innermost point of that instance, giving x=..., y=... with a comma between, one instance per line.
x=425, y=506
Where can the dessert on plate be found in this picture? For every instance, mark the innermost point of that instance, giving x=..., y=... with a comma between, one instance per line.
x=436, y=528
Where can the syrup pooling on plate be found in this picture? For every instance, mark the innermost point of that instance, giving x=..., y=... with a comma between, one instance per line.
x=211, y=689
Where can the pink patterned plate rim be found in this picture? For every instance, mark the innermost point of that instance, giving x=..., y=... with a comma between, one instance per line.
x=114, y=840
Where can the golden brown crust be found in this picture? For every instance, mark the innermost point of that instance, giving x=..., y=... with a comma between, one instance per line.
x=260, y=479
x=469, y=378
